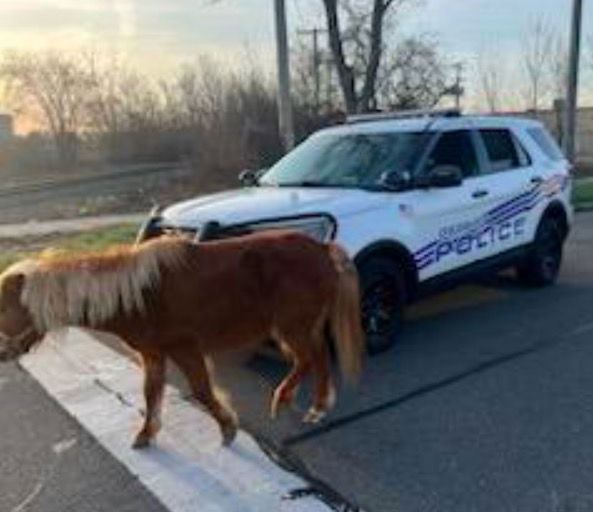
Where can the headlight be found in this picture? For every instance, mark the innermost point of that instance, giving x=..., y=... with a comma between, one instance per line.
x=321, y=228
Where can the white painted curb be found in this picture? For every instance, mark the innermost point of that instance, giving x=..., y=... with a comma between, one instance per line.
x=187, y=469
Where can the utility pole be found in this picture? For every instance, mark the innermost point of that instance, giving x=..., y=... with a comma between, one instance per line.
x=285, y=121
x=315, y=32
x=457, y=88
x=570, y=112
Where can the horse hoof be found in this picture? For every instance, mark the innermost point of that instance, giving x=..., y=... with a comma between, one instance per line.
x=313, y=416
x=140, y=443
x=229, y=433
x=276, y=407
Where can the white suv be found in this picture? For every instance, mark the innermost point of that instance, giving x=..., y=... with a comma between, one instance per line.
x=420, y=201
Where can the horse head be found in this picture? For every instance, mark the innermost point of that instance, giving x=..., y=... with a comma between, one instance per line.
x=17, y=330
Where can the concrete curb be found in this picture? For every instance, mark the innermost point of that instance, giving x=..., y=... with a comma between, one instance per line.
x=585, y=207
x=187, y=469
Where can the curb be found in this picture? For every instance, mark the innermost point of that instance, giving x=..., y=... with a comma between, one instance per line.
x=187, y=469
x=585, y=207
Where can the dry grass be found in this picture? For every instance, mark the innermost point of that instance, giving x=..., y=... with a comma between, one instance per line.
x=14, y=249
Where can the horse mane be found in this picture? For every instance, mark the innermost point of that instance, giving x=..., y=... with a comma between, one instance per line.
x=91, y=288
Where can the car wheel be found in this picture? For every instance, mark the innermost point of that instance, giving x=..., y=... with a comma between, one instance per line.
x=542, y=264
x=383, y=300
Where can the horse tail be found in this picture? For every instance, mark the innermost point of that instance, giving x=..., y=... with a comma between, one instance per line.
x=345, y=319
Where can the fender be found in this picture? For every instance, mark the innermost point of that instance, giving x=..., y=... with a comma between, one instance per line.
x=398, y=252
x=557, y=209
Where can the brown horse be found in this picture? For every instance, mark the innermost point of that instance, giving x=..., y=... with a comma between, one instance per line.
x=172, y=298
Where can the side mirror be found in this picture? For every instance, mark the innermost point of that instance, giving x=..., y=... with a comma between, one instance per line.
x=395, y=181
x=248, y=178
x=442, y=176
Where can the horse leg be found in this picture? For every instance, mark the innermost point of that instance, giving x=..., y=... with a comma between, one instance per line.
x=191, y=362
x=284, y=393
x=154, y=383
x=324, y=393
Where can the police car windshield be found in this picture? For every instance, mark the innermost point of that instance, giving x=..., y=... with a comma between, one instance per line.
x=345, y=160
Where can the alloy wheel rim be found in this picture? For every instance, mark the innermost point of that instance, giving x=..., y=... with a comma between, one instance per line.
x=379, y=309
x=550, y=254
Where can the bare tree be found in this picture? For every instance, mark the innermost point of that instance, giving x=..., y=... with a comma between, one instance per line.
x=537, y=47
x=358, y=48
x=106, y=108
x=413, y=75
x=558, y=66
x=53, y=89
x=491, y=76
x=126, y=111
x=230, y=114
x=304, y=75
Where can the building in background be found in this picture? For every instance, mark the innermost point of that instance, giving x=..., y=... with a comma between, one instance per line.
x=6, y=128
x=553, y=119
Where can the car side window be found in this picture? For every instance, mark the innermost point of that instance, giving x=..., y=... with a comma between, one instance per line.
x=546, y=143
x=455, y=148
x=501, y=150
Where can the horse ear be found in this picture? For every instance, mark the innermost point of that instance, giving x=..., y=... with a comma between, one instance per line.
x=13, y=285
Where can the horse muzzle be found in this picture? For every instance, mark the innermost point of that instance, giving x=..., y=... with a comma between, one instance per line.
x=12, y=347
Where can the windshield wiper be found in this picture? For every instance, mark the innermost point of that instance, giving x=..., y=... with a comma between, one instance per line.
x=310, y=184
x=379, y=187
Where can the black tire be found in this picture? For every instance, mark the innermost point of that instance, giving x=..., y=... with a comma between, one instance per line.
x=542, y=263
x=383, y=302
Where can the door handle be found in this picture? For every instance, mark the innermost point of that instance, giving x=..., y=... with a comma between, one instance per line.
x=479, y=193
x=536, y=180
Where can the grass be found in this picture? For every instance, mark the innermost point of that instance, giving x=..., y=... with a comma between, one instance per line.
x=583, y=193
x=8, y=259
x=95, y=240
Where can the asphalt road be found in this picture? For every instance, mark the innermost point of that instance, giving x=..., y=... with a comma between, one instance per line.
x=49, y=464
x=486, y=405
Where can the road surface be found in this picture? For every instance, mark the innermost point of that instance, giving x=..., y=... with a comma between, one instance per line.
x=49, y=464
x=486, y=405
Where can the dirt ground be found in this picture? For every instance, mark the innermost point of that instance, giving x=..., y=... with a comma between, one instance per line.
x=29, y=243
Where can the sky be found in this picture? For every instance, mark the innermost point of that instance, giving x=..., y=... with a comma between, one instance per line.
x=157, y=34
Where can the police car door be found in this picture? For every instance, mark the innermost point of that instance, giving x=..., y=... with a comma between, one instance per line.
x=507, y=192
x=446, y=217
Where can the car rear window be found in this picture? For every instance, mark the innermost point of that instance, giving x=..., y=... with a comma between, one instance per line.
x=546, y=143
x=501, y=149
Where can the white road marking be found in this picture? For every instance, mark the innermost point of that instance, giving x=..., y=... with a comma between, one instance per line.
x=187, y=469
x=30, y=498
x=59, y=449
x=63, y=446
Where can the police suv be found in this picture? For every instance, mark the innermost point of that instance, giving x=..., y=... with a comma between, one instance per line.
x=420, y=200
